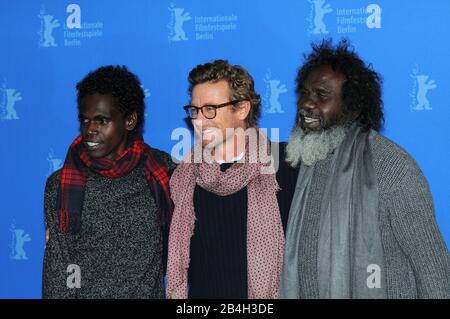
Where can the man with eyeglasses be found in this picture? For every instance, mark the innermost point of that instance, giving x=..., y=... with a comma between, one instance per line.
x=227, y=233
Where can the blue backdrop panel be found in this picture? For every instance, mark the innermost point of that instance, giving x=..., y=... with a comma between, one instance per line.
x=49, y=45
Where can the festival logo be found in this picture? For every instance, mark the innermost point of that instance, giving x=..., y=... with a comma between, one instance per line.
x=18, y=240
x=319, y=8
x=178, y=17
x=422, y=84
x=8, y=99
x=54, y=164
x=48, y=24
x=274, y=89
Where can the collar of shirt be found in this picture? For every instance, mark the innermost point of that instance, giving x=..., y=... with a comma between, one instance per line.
x=235, y=159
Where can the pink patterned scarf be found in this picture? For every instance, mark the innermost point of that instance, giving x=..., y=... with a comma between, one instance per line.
x=265, y=238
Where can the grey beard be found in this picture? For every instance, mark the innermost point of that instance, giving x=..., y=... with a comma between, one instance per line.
x=312, y=147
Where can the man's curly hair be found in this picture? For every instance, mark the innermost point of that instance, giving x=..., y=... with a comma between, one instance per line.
x=241, y=84
x=123, y=85
x=361, y=91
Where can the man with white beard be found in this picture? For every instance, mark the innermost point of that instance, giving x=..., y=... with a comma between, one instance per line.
x=361, y=223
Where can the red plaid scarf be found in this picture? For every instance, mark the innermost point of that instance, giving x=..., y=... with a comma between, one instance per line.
x=74, y=175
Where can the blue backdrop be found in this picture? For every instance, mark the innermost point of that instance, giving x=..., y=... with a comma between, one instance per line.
x=47, y=46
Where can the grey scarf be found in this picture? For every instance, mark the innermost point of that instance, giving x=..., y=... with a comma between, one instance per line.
x=350, y=261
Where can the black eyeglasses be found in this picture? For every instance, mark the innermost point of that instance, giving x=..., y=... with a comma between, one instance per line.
x=208, y=111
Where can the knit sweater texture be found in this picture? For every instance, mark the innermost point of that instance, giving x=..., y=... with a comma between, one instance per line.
x=119, y=250
x=416, y=256
x=218, y=255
